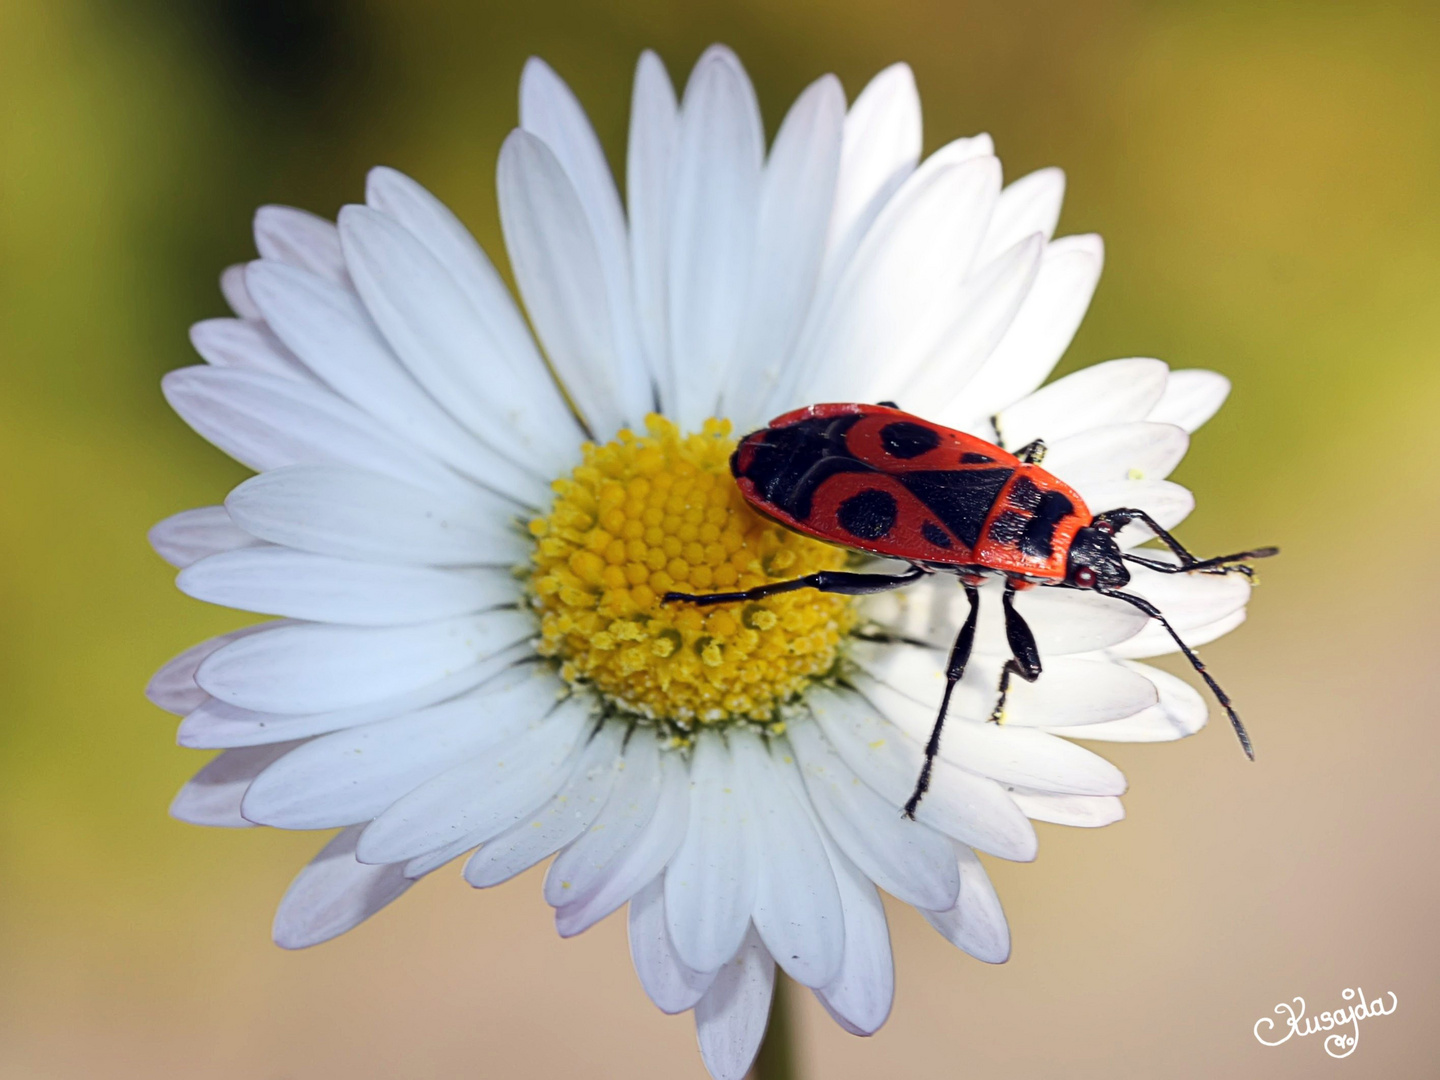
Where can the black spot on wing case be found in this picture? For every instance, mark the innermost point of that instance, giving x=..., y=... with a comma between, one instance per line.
x=868, y=514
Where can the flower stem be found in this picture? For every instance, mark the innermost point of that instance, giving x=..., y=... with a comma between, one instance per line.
x=776, y=1060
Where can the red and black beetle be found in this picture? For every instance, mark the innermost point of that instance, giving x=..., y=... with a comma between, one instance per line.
x=884, y=482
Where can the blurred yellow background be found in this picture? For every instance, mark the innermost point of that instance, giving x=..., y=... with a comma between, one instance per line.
x=1266, y=180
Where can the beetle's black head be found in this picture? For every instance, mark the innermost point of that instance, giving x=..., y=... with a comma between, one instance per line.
x=1095, y=560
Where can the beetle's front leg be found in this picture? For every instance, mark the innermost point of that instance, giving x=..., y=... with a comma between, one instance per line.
x=1024, y=655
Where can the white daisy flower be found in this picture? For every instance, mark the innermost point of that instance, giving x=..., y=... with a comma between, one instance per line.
x=472, y=655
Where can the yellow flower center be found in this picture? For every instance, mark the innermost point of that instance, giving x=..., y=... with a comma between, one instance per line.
x=647, y=514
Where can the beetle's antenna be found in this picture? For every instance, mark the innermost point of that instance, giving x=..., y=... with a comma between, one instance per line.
x=1220, y=695
x=1220, y=564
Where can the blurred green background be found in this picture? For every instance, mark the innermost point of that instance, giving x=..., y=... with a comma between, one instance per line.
x=1265, y=177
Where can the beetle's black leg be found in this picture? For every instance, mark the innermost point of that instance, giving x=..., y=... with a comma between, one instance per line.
x=959, y=657
x=831, y=581
x=1123, y=516
x=1220, y=695
x=888, y=404
x=1032, y=453
x=1024, y=656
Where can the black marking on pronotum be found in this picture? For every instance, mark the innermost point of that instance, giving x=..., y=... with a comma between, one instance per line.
x=971, y=458
x=903, y=439
x=935, y=534
x=1008, y=527
x=960, y=499
x=1040, y=532
x=1024, y=494
x=868, y=514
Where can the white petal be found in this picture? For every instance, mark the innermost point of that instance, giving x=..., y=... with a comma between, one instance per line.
x=1118, y=452
x=297, y=584
x=190, y=535
x=560, y=821
x=794, y=216
x=893, y=297
x=484, y=796
x=328, y=328
x=219, y=724
x=579, y=870
x=1031, y=758
x=1015, y=755
x=448, y=347
x=1081, y=811
x=248, y=344
x=1029, y=205
x=959, y=803
x=1115, y=392
x=716, y=194
x=351, y=776
x=977, y=923
x=880, y=149
x=333, y=510
x=1072, y=690
x=1180, y=712
x=909, y=860
x=302, y=239
x=232, y=287
x=1192, y=396
x=563, y=281
x=1040, y=334
x=174, y=688
x=983, y=310
x=266, y=422
x=305, y=667
x=710, y=885
x=430, y=221
x=797, y=910
x=861, y=994
x=1165, y=501
x=671, y=985
x=212, y=796
x=334, y=894
x=641, y=861
x=730, y=1019
x=550, y=112
x=423, y=865
x=654, y=129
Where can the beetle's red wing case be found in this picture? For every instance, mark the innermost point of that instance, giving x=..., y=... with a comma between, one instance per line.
x=880, y=480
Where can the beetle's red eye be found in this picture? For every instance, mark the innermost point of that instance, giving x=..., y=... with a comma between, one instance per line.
x=1105, y=527
x=1085, y=577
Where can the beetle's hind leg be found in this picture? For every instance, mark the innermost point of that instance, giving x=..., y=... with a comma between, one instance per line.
x=1024, y=655
x=831, y=581
x=955, y=670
